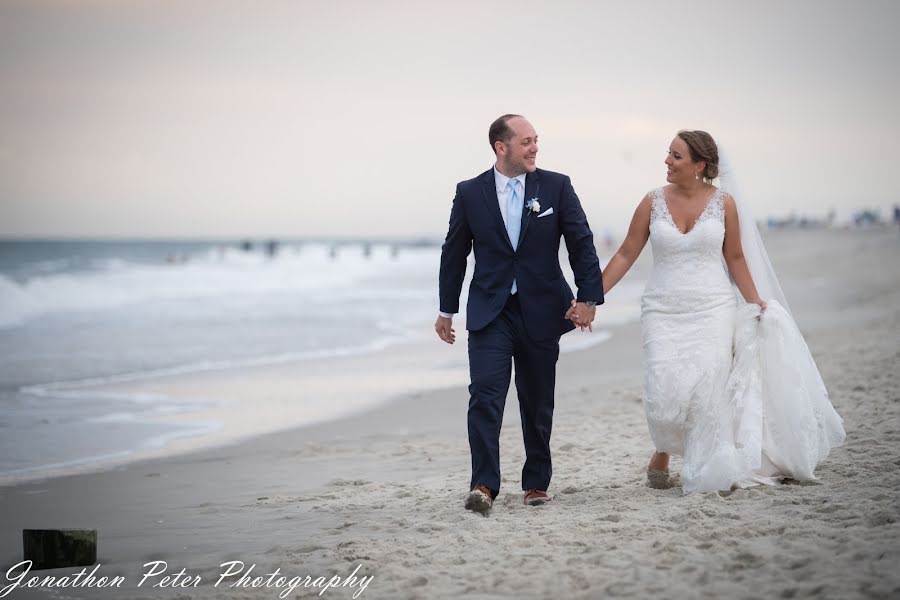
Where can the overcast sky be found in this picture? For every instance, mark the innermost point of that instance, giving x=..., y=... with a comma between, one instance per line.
x=296, y=118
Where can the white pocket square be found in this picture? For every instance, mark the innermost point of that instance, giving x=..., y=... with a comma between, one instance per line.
x=549, y=211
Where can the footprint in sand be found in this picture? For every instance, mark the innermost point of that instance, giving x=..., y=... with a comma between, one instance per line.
x=611, y=518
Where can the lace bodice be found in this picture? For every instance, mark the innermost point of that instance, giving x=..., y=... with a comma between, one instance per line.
x=688, y=267
x=659, y=211
x=715, y=209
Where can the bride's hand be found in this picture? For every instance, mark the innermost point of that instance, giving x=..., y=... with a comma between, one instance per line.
x=573, y=316
x=571, y=312
x=762, y=306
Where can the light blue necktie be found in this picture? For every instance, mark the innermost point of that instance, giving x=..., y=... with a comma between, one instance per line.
x=513, y=218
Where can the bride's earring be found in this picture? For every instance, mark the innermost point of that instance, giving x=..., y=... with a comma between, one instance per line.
x=696, y=175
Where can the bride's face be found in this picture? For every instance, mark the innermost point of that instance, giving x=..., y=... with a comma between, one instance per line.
x=681, y=169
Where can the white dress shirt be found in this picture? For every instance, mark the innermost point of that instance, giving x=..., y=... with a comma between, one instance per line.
x=503, y=191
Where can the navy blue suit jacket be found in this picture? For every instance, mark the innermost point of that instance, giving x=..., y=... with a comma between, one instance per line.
x=544, y=295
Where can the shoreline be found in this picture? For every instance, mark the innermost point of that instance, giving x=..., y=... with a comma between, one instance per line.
x=223, y=397
x=300, y=394
x=451, y=381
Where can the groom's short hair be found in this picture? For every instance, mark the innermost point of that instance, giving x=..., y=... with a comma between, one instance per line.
x=500, y=130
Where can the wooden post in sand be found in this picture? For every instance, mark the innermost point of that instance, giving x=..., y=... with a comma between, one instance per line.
x=56, y=548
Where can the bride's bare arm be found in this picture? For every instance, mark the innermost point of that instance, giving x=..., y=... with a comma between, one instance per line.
x=638, y=233
x=734, y=255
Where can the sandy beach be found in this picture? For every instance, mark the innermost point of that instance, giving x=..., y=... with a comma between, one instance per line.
x=383, y=489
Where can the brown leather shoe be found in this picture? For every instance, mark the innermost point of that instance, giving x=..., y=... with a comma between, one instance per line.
x=537, y=497
x=480, y=499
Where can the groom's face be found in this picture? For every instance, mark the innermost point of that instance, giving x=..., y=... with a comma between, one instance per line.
x=520, y=153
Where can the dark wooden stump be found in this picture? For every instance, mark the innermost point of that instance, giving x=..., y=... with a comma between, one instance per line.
x=56, y=548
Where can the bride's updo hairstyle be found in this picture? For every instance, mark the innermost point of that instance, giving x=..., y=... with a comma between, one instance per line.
x=702, y=147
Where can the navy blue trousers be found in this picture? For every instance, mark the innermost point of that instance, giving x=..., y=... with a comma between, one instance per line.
x=492, y=352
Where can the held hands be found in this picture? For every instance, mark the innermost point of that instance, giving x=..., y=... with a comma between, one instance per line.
x=582, y=315
x=444, y=329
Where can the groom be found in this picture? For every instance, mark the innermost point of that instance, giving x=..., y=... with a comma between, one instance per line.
x=513, y=215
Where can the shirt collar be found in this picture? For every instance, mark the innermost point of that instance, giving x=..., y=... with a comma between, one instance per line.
x=502, y=180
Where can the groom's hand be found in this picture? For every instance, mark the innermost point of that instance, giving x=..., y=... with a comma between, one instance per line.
x=582, y=314
x=444, y=329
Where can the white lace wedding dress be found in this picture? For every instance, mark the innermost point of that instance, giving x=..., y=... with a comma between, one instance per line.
x=739, y=398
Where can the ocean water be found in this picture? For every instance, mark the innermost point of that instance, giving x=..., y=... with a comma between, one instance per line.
x=78, y=313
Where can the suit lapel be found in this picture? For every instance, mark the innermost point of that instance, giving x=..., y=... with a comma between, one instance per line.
x=492, y=203
x=532, y=190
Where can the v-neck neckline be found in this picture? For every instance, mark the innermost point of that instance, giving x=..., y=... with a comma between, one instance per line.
x=696, y=220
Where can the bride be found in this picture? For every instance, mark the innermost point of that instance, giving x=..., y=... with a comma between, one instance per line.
x=729, y=382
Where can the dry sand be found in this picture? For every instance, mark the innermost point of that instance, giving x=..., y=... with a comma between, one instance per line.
x=384, y=489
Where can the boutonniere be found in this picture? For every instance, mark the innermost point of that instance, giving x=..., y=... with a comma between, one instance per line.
x=533, y=205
